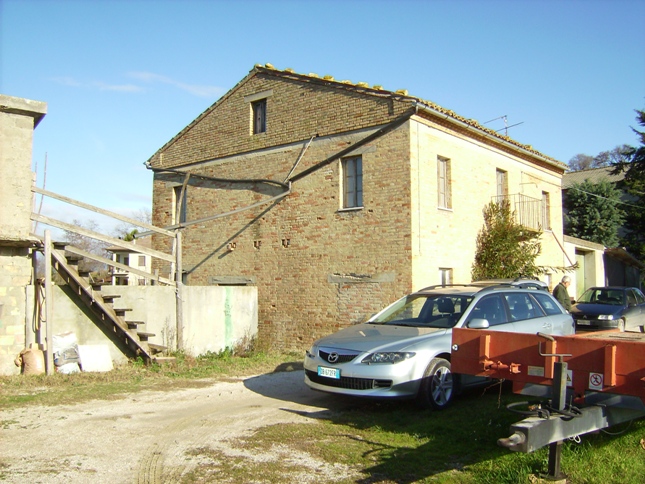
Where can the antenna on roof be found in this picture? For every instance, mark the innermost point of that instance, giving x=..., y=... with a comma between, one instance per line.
x=506, y=126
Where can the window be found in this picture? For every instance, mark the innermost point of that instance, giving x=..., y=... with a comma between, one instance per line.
x=502, y=184
x=178, y=208
x=547, y=304
x=490, y=308
x=259, y=116
x=522, y=307
x=142, y=261
x=445, y=275
x=126, y=260
x=546, y=211
x=640, y=299
x=352, y=182
x=443, y=181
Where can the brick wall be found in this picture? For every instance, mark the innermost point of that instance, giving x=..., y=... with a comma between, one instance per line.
x=317, y=268
x=296, y=111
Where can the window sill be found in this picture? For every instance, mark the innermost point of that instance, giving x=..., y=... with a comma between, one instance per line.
x=350, y=209
x=445, y=209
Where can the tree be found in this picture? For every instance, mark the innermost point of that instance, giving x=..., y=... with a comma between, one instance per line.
x=605, y=158
x=87, y=244
x=619, y=154
x=593, y=212
x=127, y=231
x=633, y=165
x=505, y=249
x=581, y=162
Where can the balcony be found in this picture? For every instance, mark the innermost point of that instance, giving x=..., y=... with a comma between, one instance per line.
x=527, y=211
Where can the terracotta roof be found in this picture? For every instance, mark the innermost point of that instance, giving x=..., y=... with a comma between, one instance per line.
x=594, y=175
x=403, y=93
x=364, y=87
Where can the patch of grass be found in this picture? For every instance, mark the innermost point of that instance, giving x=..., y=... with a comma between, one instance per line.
x=396, y=443
x=185, y=372
x=362, y=442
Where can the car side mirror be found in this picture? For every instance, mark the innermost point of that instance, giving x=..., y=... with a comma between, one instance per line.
x=478, y=323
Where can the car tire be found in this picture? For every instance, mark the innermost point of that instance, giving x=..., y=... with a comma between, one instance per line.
x=438, y=385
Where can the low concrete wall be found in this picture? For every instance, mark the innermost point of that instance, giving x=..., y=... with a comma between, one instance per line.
x=215, y=317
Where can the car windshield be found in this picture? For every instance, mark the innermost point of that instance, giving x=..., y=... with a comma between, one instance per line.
x=603, y=295
x=425, y=310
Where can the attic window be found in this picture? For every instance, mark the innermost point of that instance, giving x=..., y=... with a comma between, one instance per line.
x=259, y=116
x=258, y=108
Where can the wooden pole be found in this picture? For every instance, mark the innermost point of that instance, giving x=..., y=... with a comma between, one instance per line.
x=49, y=299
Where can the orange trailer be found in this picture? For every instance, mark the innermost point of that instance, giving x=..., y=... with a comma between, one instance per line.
x=588, y=381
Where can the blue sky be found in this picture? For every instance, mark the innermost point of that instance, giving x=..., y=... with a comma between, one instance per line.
x=121, y=78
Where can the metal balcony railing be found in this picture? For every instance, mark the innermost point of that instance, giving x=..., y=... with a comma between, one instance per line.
x=527, y=211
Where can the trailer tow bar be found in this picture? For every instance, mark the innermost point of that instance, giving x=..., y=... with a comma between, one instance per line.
x=558, y=404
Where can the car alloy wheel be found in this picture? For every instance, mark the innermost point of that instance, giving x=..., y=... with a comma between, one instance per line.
x=437, y=386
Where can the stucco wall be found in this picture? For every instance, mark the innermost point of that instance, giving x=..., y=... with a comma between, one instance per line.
x=214, y=318
x=446, y=238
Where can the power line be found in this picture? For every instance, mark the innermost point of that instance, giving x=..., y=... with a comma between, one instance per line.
x=605, y=198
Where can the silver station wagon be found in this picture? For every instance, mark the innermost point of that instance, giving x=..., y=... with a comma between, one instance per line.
x=404, y=350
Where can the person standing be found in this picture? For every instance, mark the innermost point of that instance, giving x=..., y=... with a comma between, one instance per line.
x=561, y=293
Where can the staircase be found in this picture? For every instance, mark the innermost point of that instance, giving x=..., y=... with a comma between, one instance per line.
x=125, y=334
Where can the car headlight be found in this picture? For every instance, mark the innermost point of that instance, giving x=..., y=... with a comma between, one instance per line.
x=387, y=357
x=311, y=352
x=606, y=317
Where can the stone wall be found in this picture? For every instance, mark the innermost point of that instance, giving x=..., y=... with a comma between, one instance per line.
x=18, y=118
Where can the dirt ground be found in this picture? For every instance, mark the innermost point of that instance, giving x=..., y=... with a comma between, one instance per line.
x=145, y=437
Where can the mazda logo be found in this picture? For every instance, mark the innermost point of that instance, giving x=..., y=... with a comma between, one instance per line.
x=333, y=357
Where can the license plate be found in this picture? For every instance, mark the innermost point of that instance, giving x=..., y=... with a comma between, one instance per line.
x=329, y=372
x=583, y=322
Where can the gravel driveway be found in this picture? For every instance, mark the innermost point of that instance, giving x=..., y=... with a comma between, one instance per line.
x=144, y=437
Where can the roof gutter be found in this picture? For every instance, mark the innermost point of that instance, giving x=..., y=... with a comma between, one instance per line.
x=425, y=108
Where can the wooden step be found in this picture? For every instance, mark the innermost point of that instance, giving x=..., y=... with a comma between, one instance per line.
x=134, y=324
x=144, y=336
x=121, y=311
x=155, y=348
x=108, y=298
x=164, y=360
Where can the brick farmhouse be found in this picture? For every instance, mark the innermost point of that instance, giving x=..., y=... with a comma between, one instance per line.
x=336, y=198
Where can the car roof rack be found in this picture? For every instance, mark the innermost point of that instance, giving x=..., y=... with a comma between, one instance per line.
x=480, y=287
x=436, y=286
